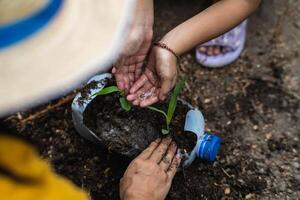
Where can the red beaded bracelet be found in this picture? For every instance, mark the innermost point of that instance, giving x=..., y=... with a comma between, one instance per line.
x=164, y=46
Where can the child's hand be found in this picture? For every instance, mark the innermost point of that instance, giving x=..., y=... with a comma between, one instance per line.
x=129, y=66
x=157, y=80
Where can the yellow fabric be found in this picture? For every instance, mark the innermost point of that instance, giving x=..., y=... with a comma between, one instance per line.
x=33, y=178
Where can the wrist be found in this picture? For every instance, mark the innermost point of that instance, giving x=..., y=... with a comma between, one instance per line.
x=164, y=46
x=170, y=40
x=144, y=13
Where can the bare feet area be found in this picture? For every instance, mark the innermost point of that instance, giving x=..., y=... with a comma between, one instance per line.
x=253, y=104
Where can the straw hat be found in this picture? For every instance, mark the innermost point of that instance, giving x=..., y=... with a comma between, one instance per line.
x=48, y=47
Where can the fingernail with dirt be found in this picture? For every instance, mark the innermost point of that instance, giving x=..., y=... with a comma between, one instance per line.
x=157, y=140
x=173, y=145
x=167, y=140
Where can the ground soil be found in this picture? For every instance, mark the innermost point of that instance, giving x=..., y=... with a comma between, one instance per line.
x=253, y=104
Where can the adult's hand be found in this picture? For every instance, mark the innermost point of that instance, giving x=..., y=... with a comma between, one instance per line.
x=149, y=176
x=157, y=80
x=129, y=66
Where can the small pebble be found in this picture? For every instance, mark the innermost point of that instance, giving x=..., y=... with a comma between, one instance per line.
x=227, y=191
x=126, y=128
x=255, y=127
x=294, y=150
x=262, y=170
x=106, y=171
x=207, y=101
x=268, y=136
x=99, y=186
x=249, y=196
x=228, y=123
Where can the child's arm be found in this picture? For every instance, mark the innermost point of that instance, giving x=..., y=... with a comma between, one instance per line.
x=161, y=71
x=215, y=20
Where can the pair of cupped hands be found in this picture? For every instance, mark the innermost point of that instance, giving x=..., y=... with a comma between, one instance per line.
x=145, y=72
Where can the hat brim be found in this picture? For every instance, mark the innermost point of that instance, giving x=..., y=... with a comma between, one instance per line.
x=84, y=38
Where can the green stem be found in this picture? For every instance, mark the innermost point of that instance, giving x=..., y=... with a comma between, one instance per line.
x=160, y=111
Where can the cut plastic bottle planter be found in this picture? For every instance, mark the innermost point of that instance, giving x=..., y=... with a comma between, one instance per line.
x=207, y=145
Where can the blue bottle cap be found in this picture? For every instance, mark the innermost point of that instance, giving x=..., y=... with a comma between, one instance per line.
x=209, y=147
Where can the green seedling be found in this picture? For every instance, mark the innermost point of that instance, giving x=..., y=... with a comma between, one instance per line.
x=125, y=104
x=171, y=108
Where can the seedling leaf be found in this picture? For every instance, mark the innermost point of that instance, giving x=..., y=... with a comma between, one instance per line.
x=173, y=101
x=126, y=105
x=158, y=110
x=107, y=90
x=165, y=131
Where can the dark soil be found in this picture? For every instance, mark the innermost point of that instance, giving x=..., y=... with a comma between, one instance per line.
x=84, y=92
x=129, y=133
